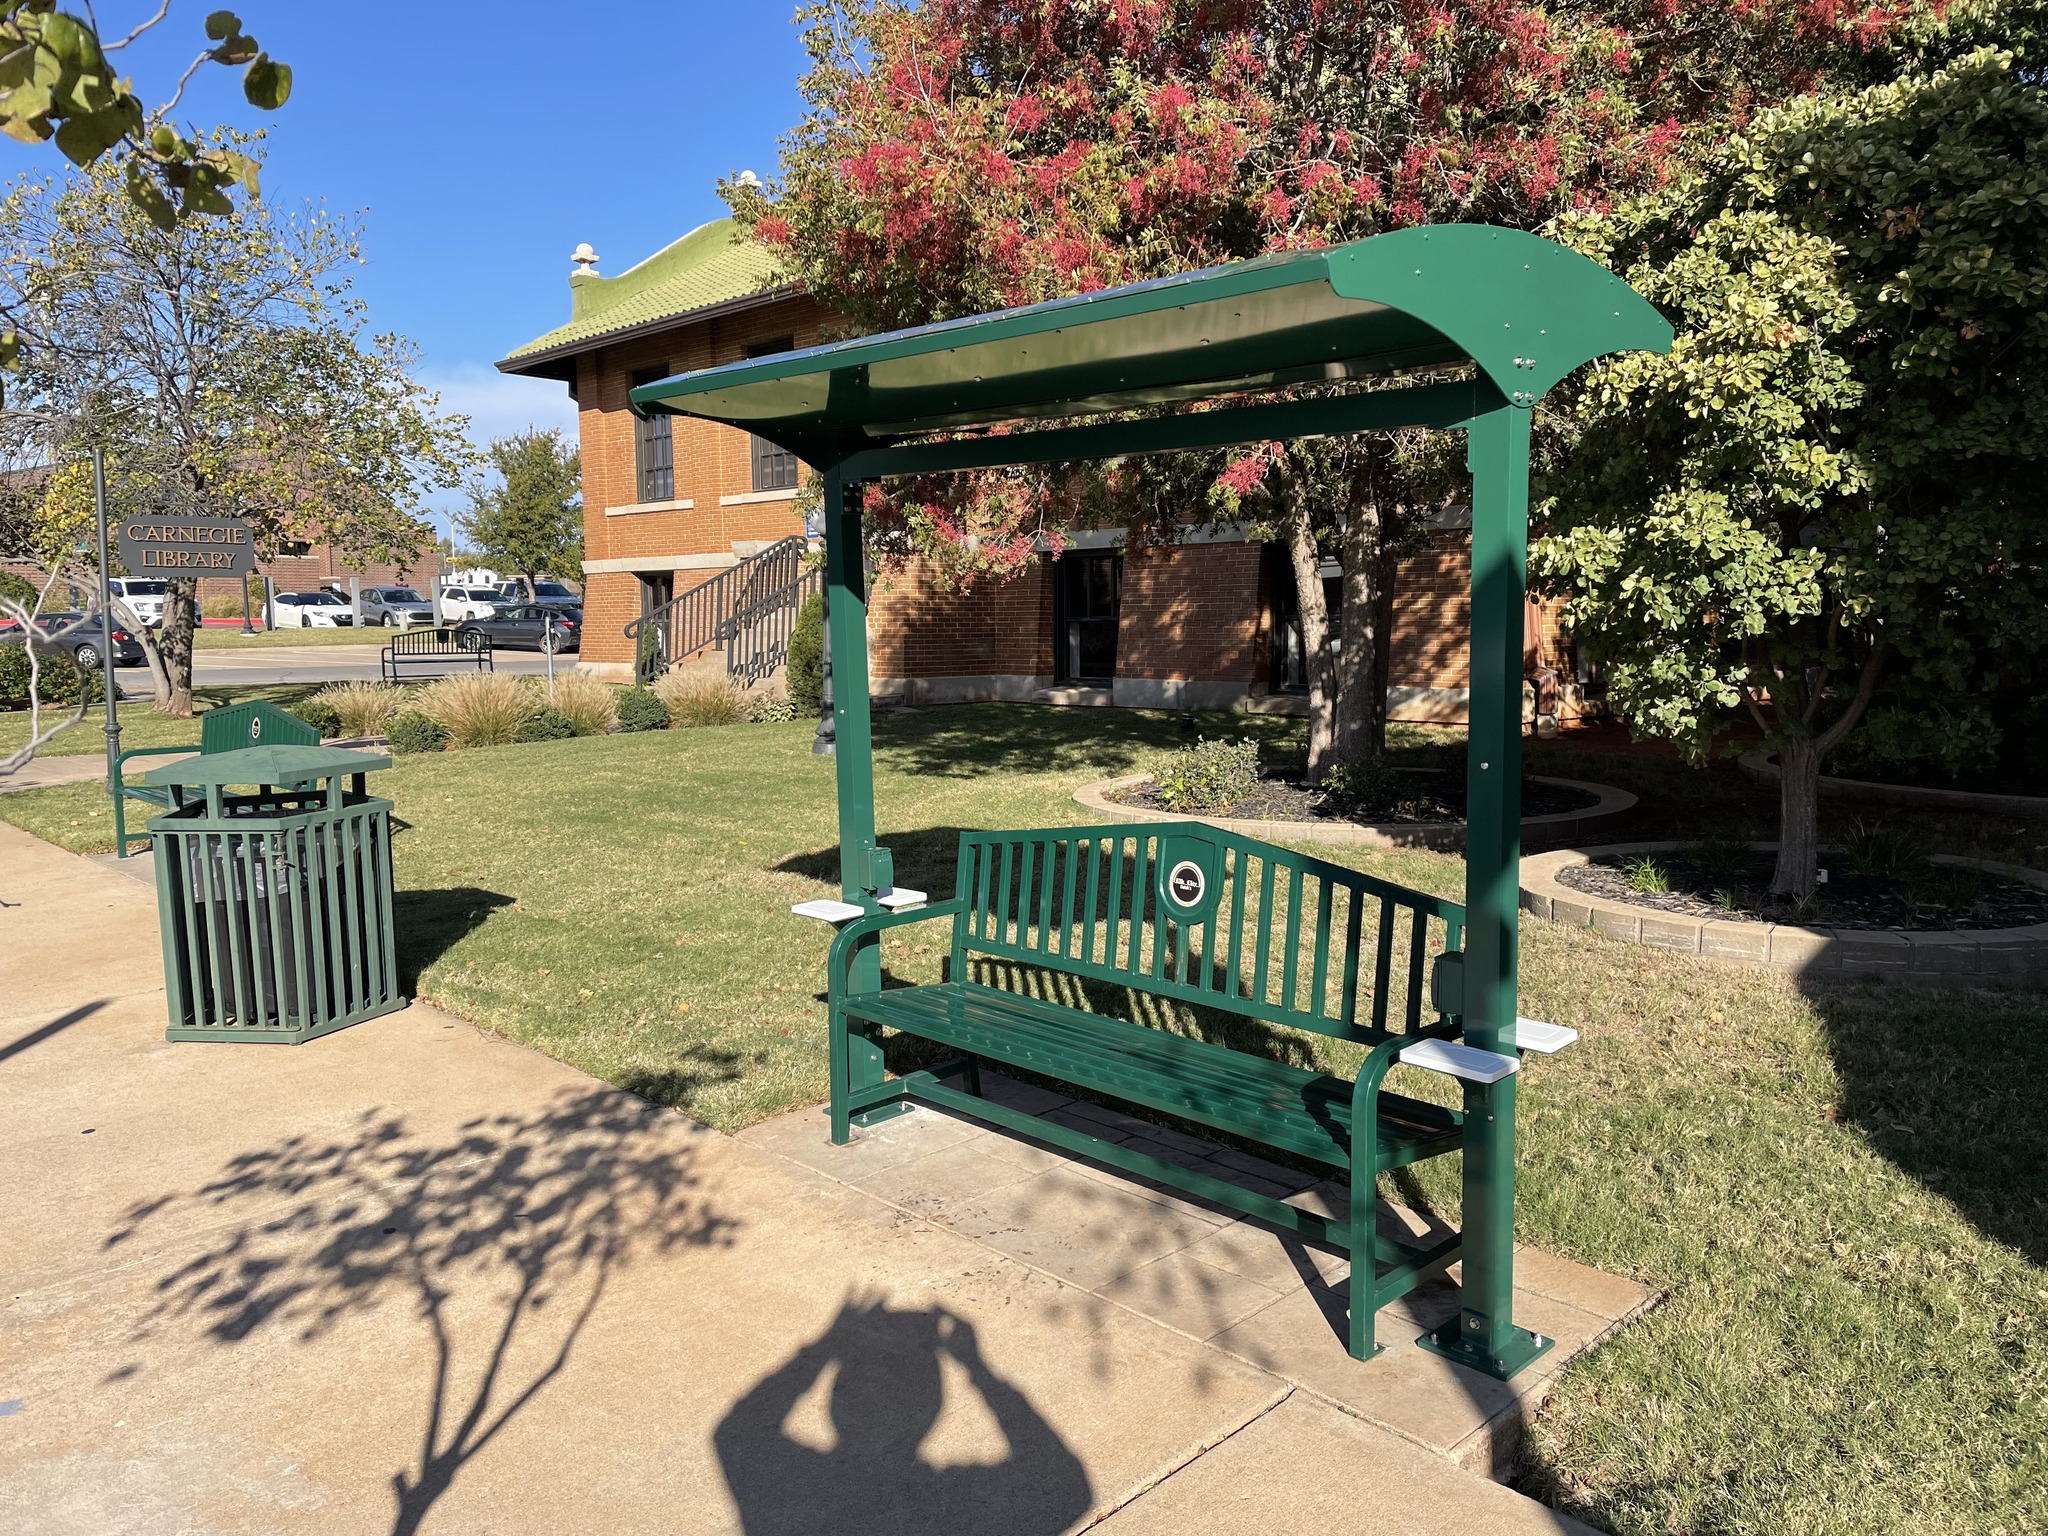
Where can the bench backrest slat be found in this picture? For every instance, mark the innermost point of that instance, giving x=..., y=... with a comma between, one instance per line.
x=1194, y=913
x=258, y=723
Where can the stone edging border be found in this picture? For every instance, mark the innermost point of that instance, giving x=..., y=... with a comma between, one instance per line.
x=1977, y=955
x=1562, y=826
x=1762, y=770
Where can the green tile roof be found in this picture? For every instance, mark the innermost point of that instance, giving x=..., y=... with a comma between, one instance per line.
x=712, y=265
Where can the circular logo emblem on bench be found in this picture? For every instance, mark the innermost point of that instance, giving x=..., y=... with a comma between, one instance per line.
x=1186, y=883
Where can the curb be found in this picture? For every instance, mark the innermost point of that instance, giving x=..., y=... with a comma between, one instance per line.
x=1974, y=955
x=1562, y=826
x=1760, y=769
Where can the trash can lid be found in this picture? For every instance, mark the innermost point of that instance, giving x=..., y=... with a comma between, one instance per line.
x=265, y=765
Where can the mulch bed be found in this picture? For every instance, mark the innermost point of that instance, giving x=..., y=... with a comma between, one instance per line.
x=1436, y=797
x=1935, y=897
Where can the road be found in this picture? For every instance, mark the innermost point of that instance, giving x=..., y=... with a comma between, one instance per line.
x=308, y=664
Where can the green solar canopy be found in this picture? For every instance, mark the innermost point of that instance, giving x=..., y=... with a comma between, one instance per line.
x=1521, y=311
x=1526, y=311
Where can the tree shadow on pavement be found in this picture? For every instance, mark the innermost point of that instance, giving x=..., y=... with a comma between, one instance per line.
x=848, y=1436
x=501, y=1238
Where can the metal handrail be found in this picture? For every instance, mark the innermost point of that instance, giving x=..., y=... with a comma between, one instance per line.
x=727, y=612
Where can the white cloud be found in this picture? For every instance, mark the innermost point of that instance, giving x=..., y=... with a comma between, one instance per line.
x=497, y=405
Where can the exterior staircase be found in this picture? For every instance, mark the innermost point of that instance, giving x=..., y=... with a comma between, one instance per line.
x=744, y=615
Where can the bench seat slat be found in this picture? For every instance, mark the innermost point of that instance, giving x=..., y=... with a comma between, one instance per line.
x=1286, y=1106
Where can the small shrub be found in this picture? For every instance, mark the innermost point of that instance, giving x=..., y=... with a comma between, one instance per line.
x=13, y=676
x=415, y=732
x=477, y=709
x=228, y=605
x=700, y=700
x=319, y=714
x=1210, y=776
x=1365, y=791
x=806, y=663
x=1727, y=900
x=587, y=704
x=639, y=710
x=1947, y=888
x=771, y=709
x=1878, y=851
x=1645, y=874
x=363, y=709
x=58, y=682
x=1718, y=857
x=546, y=724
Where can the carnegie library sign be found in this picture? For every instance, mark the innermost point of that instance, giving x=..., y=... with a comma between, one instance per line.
x=186, y=546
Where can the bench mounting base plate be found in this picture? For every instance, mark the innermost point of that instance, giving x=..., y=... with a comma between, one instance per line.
x=1453, y=1343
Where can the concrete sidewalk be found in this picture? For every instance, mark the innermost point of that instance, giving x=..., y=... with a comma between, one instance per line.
x=411, y=1277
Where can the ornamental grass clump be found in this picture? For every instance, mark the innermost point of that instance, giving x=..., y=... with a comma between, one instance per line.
x=477, y=709
x=700, y=700
x=592, y=707
x=360, y=709
x=1209, y=776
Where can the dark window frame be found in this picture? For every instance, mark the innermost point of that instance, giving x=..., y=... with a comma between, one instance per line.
x=654, y=446
x=772, y=468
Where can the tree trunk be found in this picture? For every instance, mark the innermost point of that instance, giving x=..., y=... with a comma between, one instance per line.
x=174, y=640
x=1388, y=559
x=1315, y=636
x=1798, y=819
x=1361, y=724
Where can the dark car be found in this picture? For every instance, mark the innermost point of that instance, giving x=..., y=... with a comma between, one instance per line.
x=548, y=594
x=528, y=627
x=83, y=644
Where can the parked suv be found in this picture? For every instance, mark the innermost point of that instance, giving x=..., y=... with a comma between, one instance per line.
x=396, y=607
x=459, y=603
x=550, y=594
x=145, y=599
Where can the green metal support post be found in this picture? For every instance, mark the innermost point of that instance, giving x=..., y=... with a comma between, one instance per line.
x=1484, y=1335
x=846, y=609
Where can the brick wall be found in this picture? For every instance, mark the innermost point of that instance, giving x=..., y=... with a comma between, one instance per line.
x=918, y=628
x=711, y=462
x=1192, y=611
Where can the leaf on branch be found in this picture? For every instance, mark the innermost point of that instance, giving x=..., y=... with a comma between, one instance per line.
x=268, y=84
x=222, y=25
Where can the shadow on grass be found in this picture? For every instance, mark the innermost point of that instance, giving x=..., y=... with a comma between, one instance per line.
x=1946, y=1086
x=500, y=1238
x=430, y=923
x=856, y=1461
x=971, y=741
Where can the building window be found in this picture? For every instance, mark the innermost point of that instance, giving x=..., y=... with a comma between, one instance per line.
x=654, y=449
x=1087, y=606
x=774, y=468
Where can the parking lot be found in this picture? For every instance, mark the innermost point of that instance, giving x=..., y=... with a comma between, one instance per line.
x=312, y=664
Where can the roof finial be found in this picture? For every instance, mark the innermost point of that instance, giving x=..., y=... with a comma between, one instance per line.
x=585, y=259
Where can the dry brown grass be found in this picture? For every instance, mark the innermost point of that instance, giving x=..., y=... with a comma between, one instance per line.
x=694, y=699
x=365, y=709
x=591, y=706
x=477, y=709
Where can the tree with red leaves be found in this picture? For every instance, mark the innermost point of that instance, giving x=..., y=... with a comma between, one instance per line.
x=960, y=156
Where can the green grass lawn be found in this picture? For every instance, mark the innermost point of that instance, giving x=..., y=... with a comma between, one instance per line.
x=1839, y=1187
x=142, y=726
x=222, y=638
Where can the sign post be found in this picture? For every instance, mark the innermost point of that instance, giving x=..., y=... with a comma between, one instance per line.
x=113, y=725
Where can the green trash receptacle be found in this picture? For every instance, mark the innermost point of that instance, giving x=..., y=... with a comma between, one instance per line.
x=273, y=887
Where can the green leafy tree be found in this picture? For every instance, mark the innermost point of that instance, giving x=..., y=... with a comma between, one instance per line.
x=1830, y=484
x=964, y=155
x=531, y=519
x=223, y=364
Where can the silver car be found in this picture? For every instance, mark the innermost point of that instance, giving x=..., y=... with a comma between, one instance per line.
x=396, y=607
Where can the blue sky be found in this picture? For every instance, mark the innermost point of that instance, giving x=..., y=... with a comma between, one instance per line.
x=481, y=142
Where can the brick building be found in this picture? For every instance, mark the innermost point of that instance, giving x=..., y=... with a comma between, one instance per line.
x=669, y=501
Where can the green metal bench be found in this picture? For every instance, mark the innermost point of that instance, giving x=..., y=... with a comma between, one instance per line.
x=258, y=723
x=1197, y=916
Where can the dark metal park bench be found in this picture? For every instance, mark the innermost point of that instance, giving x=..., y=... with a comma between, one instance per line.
x=433, y=649
x=258, y=723
x=1247, y=936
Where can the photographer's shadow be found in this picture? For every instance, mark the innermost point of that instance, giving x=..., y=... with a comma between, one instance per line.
x=847, y=1436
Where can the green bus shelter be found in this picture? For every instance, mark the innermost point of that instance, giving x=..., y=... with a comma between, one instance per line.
x=1508, y=314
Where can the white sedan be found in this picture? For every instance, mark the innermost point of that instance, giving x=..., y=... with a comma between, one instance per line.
x=459, y=603
x=310, y=610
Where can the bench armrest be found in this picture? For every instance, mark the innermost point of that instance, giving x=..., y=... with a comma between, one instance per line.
x=152, y=752
x=848, y=939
